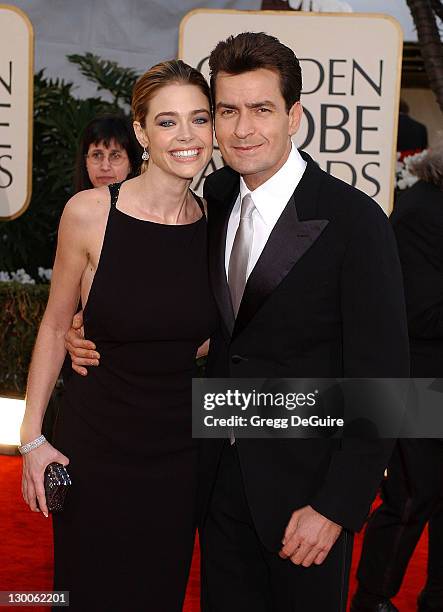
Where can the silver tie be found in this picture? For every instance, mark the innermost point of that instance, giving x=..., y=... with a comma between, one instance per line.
x=239, y=259
x=241, y=249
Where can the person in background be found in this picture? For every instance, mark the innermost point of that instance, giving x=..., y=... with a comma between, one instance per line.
x=108, y=153
x=413, y=490
x=412, y=135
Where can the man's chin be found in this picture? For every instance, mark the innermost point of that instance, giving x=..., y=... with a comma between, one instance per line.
x=245, y=168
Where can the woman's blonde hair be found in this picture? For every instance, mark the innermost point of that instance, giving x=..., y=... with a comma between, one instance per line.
x=160, y=75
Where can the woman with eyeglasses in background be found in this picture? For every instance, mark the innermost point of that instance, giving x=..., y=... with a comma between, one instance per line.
x=108, y=153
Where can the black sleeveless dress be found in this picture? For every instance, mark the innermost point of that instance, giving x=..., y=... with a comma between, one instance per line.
x=124, y=540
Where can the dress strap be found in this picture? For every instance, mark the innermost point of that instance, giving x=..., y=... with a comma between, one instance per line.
x=114, y=190
x=200, y=203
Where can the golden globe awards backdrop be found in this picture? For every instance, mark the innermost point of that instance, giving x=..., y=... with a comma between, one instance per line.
x=16, y=96
x=351, y=67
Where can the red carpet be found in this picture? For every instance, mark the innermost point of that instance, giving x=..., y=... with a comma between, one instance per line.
x=26, y=549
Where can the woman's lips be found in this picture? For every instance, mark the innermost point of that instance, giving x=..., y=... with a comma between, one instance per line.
x=185, y=155
x=105, y=179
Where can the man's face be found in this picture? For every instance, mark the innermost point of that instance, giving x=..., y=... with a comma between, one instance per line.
x=252, y=125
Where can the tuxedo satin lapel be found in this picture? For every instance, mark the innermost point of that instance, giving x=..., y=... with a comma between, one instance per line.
x=220, y=287
x=288, y=242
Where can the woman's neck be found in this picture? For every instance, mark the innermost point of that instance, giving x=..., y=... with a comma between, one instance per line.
x=164, y=197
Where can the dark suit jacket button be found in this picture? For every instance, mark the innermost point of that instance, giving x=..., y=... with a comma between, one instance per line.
x=237, y=358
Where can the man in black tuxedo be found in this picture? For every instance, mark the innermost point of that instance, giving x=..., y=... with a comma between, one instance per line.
x=306, y=275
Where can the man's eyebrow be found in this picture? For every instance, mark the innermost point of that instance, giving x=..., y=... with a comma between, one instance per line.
x=262, y=103
x=225, y=105
x=174, y=114
x=248, y=105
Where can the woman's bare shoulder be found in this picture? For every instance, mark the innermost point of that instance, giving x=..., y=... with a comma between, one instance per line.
x=87, y=206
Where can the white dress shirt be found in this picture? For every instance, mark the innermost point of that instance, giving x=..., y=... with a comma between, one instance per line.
x=270, y=200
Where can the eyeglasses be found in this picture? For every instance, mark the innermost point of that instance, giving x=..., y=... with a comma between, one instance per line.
x=115, y=158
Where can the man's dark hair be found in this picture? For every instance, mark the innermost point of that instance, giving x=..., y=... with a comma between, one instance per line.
x=253, y=50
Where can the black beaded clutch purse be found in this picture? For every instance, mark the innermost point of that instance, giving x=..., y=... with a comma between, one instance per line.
x=57, y=481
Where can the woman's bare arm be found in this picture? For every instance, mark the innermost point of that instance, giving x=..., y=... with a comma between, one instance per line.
x=49, y=351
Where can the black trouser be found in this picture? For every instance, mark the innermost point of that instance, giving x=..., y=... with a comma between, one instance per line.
x=240, y=575
x=412, y=495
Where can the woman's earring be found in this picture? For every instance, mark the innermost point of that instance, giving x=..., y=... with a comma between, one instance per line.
x=145, y=154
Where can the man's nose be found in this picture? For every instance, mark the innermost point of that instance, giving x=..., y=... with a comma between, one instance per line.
x=244, y=126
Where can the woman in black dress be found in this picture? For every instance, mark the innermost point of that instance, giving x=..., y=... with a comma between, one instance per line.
x=108, y=153
x=136, y=253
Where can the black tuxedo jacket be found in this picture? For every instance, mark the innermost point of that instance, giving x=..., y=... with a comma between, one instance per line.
x=417, y=221
x=325, y=299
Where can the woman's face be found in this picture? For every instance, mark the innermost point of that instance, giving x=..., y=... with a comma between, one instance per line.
x=106, y=165
x=178, y=130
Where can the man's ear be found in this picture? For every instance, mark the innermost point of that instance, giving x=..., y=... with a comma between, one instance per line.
x=295, y=116
x=140, y=134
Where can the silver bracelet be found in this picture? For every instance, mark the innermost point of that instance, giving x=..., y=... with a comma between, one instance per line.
x=27, y=448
